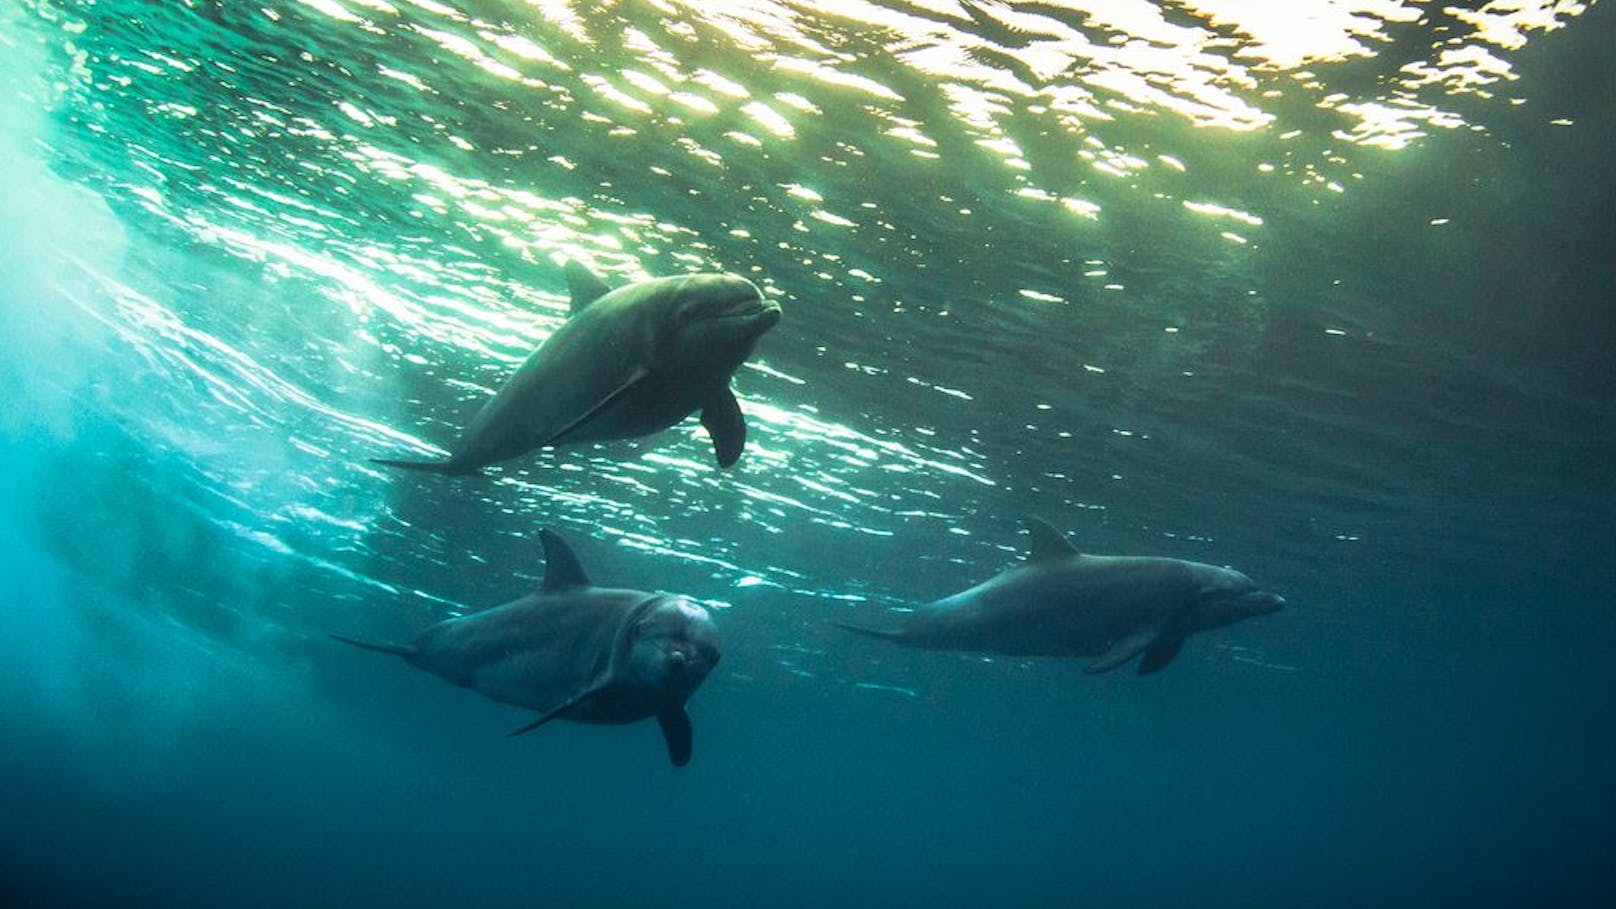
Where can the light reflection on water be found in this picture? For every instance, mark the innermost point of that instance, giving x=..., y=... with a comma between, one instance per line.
x=403, y=177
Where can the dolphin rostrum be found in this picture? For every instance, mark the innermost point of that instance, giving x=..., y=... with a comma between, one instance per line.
x=574, y=651
x=1060, y=602
x=627, y=363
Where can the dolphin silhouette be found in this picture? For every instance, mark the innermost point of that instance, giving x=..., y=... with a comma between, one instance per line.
x=627, y=363
x=1060, y=602
x=574, y=651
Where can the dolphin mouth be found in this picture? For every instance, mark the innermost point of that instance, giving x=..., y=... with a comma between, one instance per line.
x=1262, y=601
x=690, y=668
x=745, y=301
x=765, y=312
x=768, y=314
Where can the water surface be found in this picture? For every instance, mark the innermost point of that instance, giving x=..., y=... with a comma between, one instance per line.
x=1320, y=290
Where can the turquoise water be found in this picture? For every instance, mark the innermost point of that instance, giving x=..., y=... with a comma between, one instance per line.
x=1323, y=291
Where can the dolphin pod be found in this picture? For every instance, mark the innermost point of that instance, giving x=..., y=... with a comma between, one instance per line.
x=636, y=360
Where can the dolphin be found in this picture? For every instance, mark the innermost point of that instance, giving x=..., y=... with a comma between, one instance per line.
x=1061, y=602
x=574, y=651
x=627, y=363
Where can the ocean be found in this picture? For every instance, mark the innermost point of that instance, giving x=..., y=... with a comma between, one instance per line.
x=1322, y=290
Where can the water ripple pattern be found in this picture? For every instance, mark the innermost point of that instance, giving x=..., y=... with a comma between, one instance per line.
x=1004, y=235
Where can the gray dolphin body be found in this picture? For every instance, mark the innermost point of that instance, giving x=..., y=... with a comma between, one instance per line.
x=1061, y=602
x=573, y=651
x=627, y=363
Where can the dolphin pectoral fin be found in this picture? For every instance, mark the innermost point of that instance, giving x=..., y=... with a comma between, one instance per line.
x=446, y=466
x=1160, y=652
x=676, y=731
x=634, y=378
x=557, y=710
x=1122, y=651
x=543, y=718
x=725, y=426
x=883, y=633
x=403, y=650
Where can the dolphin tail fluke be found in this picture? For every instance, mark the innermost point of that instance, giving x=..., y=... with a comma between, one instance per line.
x=445, y=466
x=886, y=634
x=402, y=650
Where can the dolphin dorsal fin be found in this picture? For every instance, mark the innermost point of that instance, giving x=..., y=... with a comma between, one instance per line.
x=584, y=285
x=1047, y=542
x=561, y=566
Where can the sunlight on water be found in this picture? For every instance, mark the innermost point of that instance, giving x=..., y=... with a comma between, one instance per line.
x=404, y=178
x=1309, y=288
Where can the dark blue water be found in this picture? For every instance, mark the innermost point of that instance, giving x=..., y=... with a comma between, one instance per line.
x=1323, y=291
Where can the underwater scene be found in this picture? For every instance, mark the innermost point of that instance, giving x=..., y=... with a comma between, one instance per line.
x=511, y=453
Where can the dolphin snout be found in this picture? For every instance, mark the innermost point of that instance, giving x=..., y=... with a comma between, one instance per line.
x=750, y=303
x=725, y=289
x=729, y=297
x=1267, y=602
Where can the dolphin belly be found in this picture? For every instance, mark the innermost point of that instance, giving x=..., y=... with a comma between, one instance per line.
x=652, y=404
x=1018, y=633
x=614, y=706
